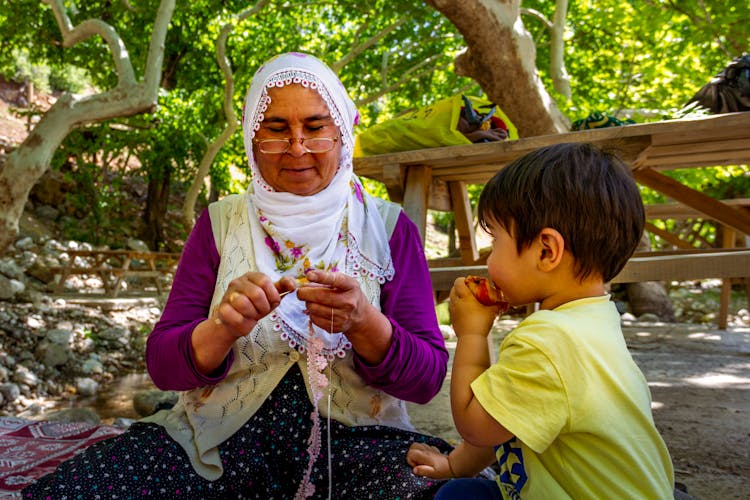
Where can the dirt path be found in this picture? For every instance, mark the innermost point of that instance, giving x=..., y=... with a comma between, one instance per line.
x=700, y=383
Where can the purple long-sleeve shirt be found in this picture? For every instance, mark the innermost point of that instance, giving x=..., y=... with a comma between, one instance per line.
x=413, y=368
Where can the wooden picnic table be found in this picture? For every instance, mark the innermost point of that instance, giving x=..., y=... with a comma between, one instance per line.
x=437, y=179
x=114, y=267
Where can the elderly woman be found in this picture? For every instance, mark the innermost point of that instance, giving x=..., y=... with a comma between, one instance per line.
x=300, y=320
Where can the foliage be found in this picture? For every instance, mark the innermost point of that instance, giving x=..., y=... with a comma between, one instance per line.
x=94, y=160
x=640, y=59
x=69, y=78
x=24, y=70
x=716, y=182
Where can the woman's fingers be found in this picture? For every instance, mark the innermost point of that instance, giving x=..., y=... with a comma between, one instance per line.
x=251, y=297
x=332, y=300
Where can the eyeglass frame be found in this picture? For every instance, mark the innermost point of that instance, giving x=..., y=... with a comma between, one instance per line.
x=291, y=140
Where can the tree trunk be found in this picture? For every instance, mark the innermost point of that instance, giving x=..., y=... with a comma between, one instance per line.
x=26, y=164
x=157, y=203
x=501, y=57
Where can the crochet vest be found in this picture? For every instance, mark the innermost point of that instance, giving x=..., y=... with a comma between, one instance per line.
x=205, y=417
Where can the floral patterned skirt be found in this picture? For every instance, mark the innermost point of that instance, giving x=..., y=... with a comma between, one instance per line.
x=267, y=458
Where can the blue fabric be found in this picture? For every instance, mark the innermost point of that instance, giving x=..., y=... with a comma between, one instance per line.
x=465, y=488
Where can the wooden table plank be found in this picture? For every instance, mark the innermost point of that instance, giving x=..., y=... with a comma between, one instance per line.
x=675, y=267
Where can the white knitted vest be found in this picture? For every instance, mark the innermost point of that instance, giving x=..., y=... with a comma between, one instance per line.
x=205, y=417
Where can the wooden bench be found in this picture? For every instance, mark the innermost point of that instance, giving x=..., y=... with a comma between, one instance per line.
x=114, y=267
x=437, y=179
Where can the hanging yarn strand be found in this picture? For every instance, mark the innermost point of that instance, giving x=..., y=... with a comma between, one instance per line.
x=316, y=365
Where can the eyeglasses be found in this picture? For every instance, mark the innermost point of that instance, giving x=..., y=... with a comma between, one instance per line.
x=310, y=144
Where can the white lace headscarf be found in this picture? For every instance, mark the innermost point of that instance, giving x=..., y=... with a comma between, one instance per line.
x=334, y=229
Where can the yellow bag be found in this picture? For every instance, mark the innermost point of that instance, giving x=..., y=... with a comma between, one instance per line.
x=430, y=127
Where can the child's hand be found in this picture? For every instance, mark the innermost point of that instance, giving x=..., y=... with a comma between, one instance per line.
x=428, y=461
x=468, y=315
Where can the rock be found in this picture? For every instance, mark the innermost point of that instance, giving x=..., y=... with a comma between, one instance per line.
x=43, y=269
x=137, y=245
x=627, y=317
x=147, y=403
x=47, y=213
x=86, y=386
x=75, y=415
x=92, y=365
x=115, y=333
x=23, y=375
x=50, y=189
x=10, y=269
x=25, y=243
x=61, y=336
x=52, y=354
x=650, y=297
x=6, y=291
x=17, y=287
x=648, y=318
x=10, y=392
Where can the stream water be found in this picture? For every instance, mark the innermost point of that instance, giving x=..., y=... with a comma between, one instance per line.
x=113, y=400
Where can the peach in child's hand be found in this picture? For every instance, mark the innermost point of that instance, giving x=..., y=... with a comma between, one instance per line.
x=486, y=292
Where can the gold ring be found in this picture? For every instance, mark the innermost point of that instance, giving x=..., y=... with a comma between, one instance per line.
x=232, y=296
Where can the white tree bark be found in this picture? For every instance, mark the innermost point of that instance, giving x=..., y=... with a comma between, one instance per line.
x=560, y=77
x=188, y=207
x=26, y=164
x=501, y=57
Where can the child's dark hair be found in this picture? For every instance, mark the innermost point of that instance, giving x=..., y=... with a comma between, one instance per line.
x=586, y=194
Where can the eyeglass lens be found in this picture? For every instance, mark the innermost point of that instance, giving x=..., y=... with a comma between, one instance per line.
x=312, y=145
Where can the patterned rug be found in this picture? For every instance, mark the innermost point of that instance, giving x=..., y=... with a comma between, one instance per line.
x=30, y=449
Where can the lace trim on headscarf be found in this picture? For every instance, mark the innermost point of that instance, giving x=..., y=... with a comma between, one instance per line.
x=357, y=266
x=299, y=341
x=307, y=80
x=360, y=265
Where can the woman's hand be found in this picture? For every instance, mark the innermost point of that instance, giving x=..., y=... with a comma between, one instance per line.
x=248, y=299
x=336, y=303
x=468, y=315
x=428, y=461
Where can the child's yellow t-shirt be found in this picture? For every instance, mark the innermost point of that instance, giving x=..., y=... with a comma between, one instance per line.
x=580, y=409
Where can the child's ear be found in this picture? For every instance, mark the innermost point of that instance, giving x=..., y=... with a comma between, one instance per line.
x=551, y=248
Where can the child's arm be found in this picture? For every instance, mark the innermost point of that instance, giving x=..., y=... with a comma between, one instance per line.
x=465, y=460
x=472, y=323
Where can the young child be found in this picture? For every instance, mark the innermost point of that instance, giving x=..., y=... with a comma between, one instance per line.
x=565, y=411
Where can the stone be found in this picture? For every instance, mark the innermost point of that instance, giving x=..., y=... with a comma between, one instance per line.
x=75, y=415
x=60, y=336
x=23, y=375
x=10, y=391
x=52, y=354
x=6, y=292
x=147, y=403
x=92, y=366
x=86, y=386
x=25, y=243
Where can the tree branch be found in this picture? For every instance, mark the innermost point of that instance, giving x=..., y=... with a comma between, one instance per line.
x=232, y=123
x=72, y=35
x=537, y=15
x=355, y=51
x=560, y=77
x=405, y=76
